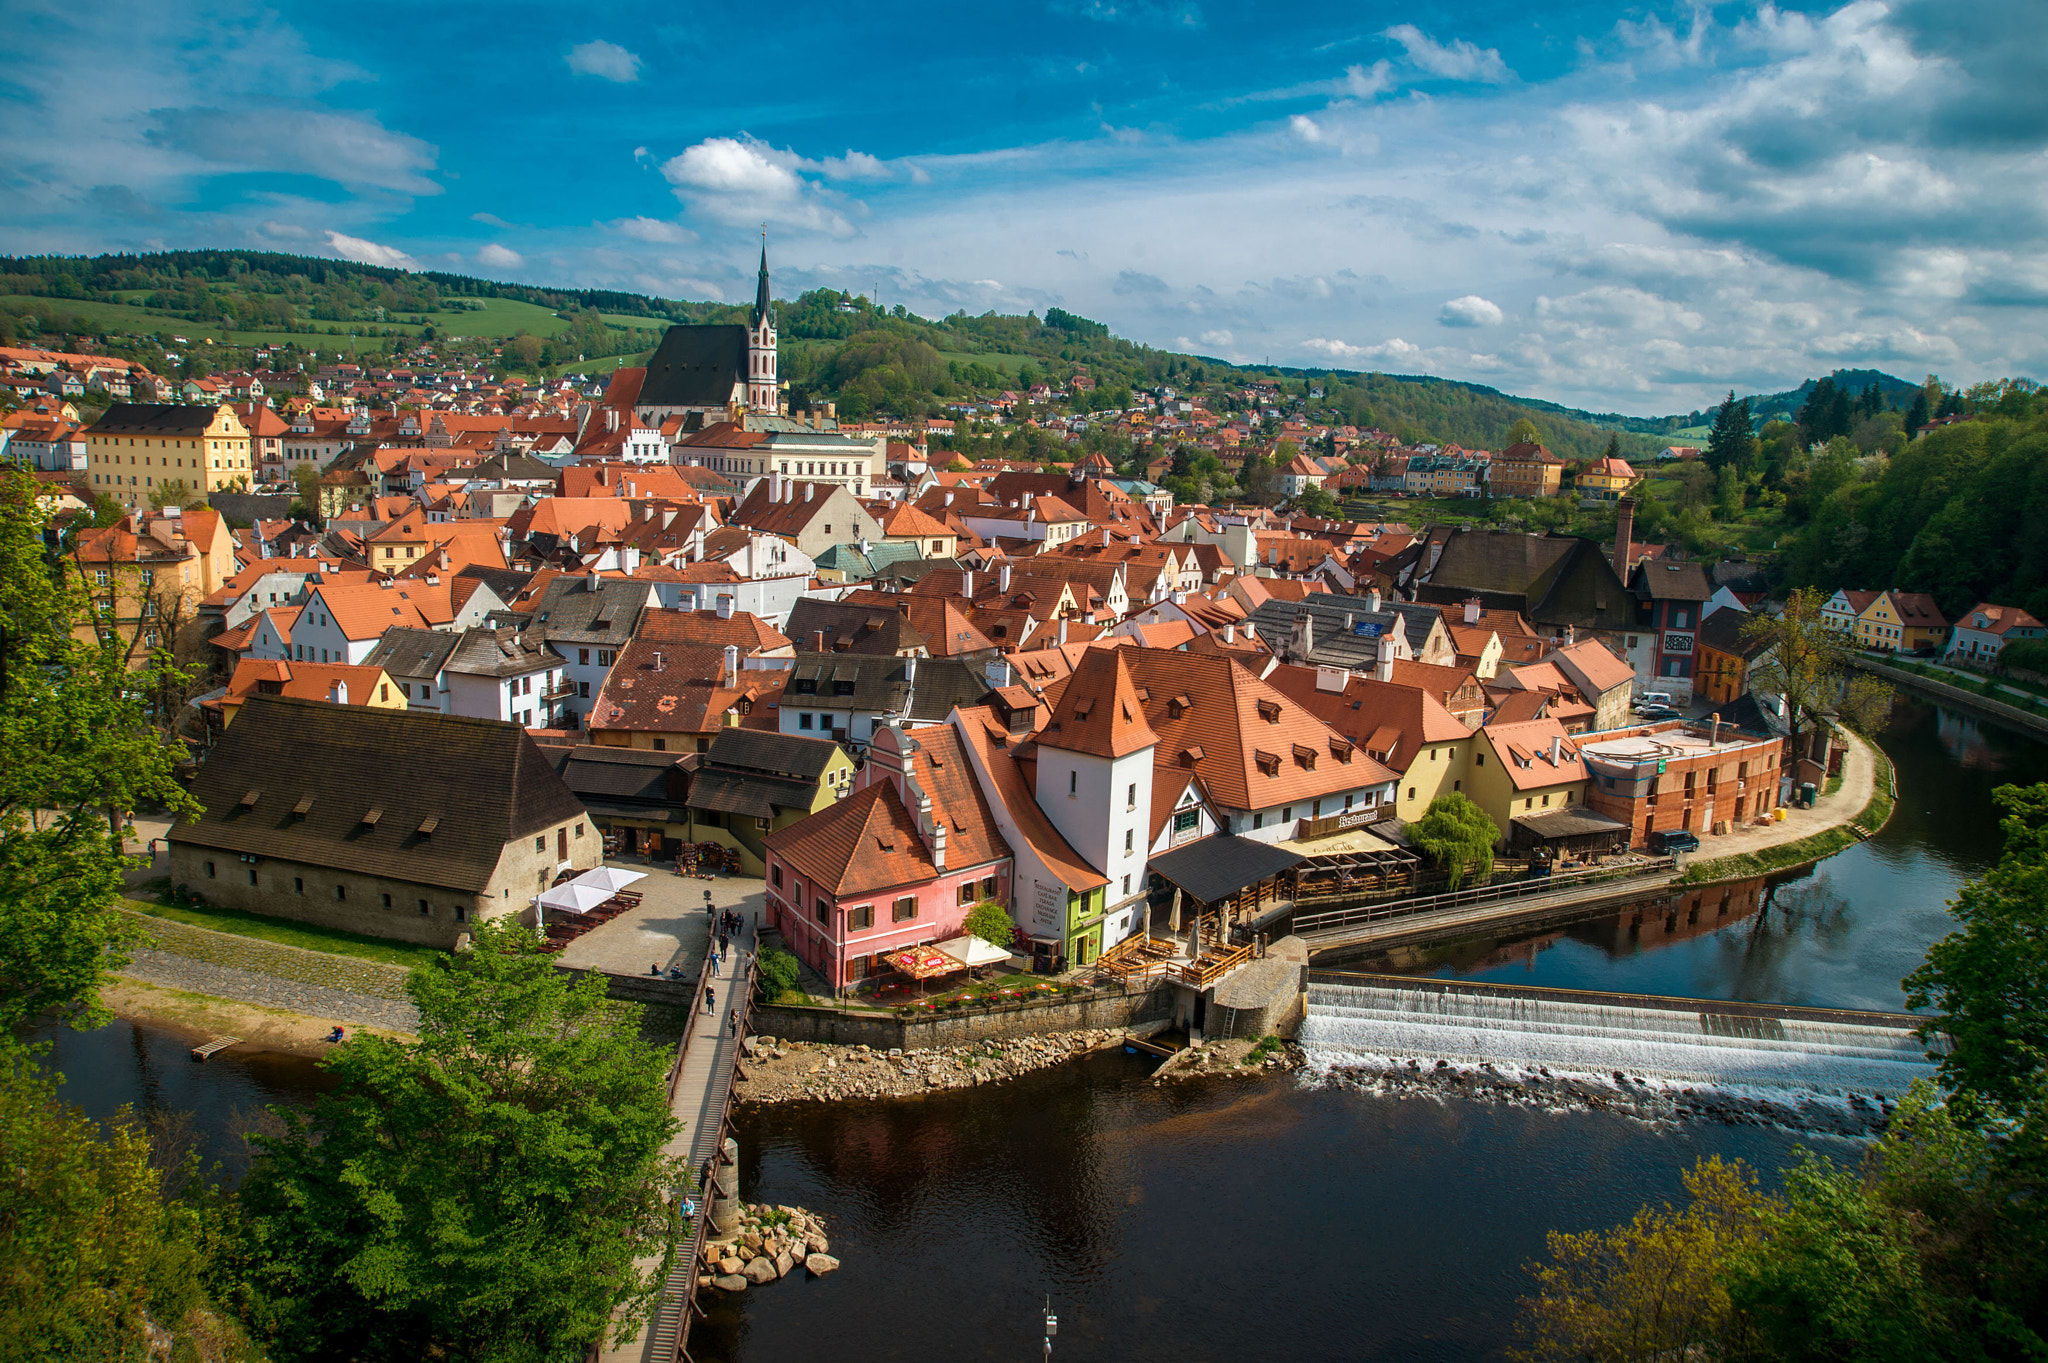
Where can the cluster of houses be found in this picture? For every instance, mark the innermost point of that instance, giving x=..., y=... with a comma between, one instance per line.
x=1911, y=622
x=685, y=614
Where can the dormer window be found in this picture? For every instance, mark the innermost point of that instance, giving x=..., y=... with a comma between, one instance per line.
x=1269, y=711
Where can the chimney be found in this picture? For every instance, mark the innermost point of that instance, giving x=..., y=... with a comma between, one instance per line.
x=611, y=418
x=949, y=497
x=337, y=692
x=817, y=641
x=1714, y=734
x=1003, y=579
x=910, y=670
x=1383, y=665
x=657, y=660
x=1230, y=633
x=732, y=667
x=938, y=845
x=1063, y=630
x=1372, y=600
x=1571, y=634
x=1471, y=610
x=967, y=585
x=1556, y=750
x=774, y=487
x=725, y=608
x=1001, y=675
x=810, y=491
x=590, y=581
x=1624, y=536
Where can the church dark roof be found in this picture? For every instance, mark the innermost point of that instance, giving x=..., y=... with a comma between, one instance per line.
x=762, y=302
x=696, y=366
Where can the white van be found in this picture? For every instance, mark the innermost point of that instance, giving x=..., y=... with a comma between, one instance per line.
x=1652, y=699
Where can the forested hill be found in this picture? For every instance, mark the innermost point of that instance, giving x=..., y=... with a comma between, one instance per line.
x=836, y=345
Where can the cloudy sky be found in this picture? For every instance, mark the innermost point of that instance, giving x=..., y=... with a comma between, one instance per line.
x=1629, y=208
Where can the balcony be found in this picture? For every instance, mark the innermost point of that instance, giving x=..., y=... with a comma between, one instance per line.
x=562, y=690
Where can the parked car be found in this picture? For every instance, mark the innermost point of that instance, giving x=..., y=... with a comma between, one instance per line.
x=1653, y=699
x=1656, y=712
x=1674, y=841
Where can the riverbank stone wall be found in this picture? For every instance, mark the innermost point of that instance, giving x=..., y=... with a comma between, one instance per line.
x=885, y=1032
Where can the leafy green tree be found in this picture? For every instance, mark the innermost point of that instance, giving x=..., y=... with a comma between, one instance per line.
x=1806, y=661
x=482, y=1193
x=1525, y=432
x=1727, y=494
x=776, y=973
x=1988, y=980
x=92, y=1251
x=1652, y=1289
x=991, y=922
x=1315, y=501
x=1457, y=835
x=77, y=756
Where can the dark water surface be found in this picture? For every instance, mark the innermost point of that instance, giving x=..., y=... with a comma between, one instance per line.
x=1221, y=1219
x=1841, y=935
x=1241, y=1220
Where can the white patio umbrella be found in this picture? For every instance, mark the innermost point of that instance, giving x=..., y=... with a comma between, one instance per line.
x=610, y=879
x=573, y=898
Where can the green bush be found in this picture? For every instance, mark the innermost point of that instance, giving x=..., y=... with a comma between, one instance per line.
x=776, y=974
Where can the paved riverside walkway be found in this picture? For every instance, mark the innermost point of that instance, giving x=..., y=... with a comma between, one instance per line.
x=710, y=1053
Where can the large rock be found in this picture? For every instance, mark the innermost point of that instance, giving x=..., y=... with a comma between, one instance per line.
x=729, y=1265
x=821, y=1264
x=760, y=1271
x=797, y=1250
x=730, y=1282
x=783, y=1264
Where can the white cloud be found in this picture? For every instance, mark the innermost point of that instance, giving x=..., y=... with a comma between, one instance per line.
x=500, y=257
x=606, y=61
x=1470, y=311
x=348, y=148
x=654, y=230
x=489, y=219
x=737, y=182
x=1364, y=82
x=1219, y=337
x=1305, y=128
x=1456, y=60
x=856, y=165
x=369, y=252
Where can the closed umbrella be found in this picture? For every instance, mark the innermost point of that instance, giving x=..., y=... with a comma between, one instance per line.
x=1173, y=926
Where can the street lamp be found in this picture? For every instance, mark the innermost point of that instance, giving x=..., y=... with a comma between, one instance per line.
x=1052, y=1326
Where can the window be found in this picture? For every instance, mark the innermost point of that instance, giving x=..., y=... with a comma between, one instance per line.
x=460, y=913
x=341, y=892
x=387, y=901
x=1073, y=782
x=1127, y=842
x=1131, y=796
x=298, y=885
x=579, y=830
x=904, y=909
x=209, y=870
x=860, y=918
x=540, y=844
x=775, y=875
x=1479, y=759
x=988, y=887
x=823, y=908
x=803, y=719
x=1287, y=814
x=966, y=892
x=1258, y=819
x=252, y=875
x=1411, y=792
x=1127, y=884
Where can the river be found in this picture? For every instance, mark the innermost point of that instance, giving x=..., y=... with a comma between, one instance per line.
x=1240, y=1219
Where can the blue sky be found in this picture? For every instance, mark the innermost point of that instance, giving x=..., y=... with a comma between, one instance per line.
x=1624, y=207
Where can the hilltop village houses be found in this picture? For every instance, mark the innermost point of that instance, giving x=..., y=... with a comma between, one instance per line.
x=678, y=616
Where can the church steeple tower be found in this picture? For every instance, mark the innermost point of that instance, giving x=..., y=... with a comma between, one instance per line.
x=762, y=394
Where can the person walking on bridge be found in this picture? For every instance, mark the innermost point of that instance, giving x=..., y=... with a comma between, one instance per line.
x=710, y=1000
x=735, y=1022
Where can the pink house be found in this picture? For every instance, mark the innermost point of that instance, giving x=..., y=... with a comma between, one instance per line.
x=896, y=864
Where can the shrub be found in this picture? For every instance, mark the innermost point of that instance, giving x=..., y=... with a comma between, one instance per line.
x=776, y=974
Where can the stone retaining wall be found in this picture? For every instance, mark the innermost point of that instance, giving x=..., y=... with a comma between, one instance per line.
x=885, y=1032
x=351, y=974
x=1956, y=696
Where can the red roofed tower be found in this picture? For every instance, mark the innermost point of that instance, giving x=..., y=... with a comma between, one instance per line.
x=1095, y=772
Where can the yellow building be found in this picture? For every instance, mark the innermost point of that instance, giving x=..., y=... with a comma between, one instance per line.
x=1607, y=480
x=334, y=683
x=1525, y=768
x=139, y=446
x=1901, y=622
x=146, y=575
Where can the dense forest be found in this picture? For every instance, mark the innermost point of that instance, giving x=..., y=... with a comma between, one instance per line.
x=1959, y=511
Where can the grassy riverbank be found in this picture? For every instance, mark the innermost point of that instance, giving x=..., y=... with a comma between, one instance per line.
x=305, y=936
x=1805, y=851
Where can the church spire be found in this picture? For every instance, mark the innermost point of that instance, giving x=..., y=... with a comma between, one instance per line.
x=761, y=298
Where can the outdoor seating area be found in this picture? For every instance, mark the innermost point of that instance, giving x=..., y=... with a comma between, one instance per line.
x=575, y=905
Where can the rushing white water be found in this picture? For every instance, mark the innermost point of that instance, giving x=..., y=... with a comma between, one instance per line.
x=1724, y=1050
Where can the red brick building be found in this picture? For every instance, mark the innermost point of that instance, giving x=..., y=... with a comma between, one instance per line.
x=1687, y=777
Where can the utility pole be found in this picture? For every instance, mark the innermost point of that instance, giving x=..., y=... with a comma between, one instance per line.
x=1052, y=1327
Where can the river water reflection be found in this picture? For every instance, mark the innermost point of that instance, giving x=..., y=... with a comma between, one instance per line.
x=1840, y=936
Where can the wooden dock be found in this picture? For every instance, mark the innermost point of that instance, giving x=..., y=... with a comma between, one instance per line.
x=210, y=1049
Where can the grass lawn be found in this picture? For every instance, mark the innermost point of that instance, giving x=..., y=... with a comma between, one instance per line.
x=999, y=360
x=288, y=933
x=498, y=317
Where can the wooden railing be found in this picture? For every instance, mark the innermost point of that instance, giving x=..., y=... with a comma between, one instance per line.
x=1205, y=972
x=1521, y=889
